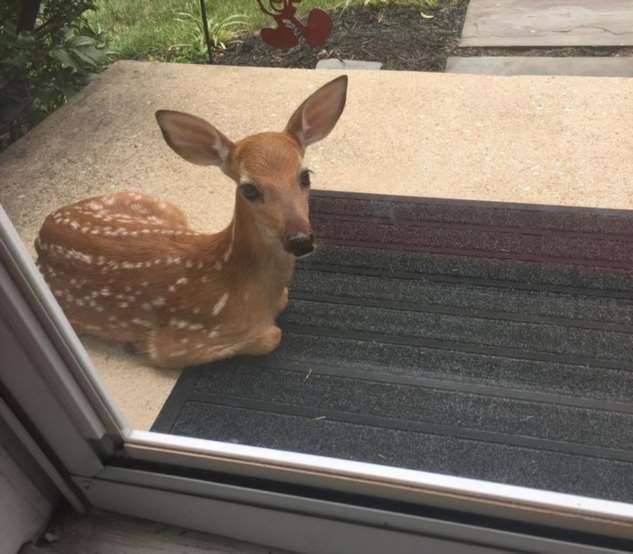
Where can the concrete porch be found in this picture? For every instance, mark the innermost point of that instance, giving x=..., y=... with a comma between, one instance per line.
x=541, y=140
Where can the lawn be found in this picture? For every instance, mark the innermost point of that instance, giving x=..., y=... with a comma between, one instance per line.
x=169, y=30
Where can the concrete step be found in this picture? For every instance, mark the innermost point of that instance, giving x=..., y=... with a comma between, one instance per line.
x=548, y=23
x=532, y=65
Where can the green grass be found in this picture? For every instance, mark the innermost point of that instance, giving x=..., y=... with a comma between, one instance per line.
x=170, y=30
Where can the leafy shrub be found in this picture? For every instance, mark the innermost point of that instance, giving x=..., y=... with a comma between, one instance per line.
x=47, y=52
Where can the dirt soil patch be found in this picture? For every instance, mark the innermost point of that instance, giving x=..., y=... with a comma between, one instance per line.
x=398, y=36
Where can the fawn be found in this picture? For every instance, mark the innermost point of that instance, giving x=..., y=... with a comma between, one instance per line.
x=126, y=267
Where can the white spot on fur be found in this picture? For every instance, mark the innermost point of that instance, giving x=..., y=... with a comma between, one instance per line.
x=159, y=301
x=220, y=304
x=139, y=208
x=228, y=252
x=142, y=322
x=214, y=332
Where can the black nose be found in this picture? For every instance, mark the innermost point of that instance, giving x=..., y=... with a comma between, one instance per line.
x=300, y=244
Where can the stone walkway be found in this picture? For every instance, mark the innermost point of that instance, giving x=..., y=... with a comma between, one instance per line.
x=548, y=23
x=534, y=65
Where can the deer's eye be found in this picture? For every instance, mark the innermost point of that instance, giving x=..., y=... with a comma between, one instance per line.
x=305, y=178
x=250, y=192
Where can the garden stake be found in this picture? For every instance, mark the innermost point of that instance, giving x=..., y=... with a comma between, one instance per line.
x=205, y=25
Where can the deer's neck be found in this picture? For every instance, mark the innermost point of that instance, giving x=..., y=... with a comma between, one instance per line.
x=247, y=249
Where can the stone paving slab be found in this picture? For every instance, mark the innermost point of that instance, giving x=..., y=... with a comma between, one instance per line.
x=533, y=65
x=544, y=140
x=333, y=63
x=548, y=23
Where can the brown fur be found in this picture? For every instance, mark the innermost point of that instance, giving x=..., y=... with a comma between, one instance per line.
x=127, y=267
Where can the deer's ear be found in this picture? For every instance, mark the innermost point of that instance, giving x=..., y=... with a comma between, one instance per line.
x=317, y=116
x=193, y=138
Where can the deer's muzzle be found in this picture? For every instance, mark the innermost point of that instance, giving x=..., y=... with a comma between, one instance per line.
x=300, y=244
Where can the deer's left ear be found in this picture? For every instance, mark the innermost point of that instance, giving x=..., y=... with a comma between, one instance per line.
x=317, y=116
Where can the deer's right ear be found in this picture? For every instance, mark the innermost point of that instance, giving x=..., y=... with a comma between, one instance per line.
x=193, y=138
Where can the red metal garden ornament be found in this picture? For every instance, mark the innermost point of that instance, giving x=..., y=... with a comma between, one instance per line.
x=283, y=36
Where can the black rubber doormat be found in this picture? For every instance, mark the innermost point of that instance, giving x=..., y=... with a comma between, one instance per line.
x=491, y=341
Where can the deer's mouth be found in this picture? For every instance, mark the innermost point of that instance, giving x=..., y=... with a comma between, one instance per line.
x=300, y=245
x=304, y=254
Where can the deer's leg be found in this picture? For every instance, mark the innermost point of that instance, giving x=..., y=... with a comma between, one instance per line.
x=168, y=349
x=263, y=343
x=283, y=300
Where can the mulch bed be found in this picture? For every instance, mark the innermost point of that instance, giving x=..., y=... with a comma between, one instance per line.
x=396, y=35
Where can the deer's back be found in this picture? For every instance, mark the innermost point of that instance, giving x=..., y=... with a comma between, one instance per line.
x=110, y=261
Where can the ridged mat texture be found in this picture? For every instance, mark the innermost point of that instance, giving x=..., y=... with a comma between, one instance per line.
x=491, y=341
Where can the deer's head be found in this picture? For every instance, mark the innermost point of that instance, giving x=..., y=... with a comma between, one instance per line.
x=273, y=184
